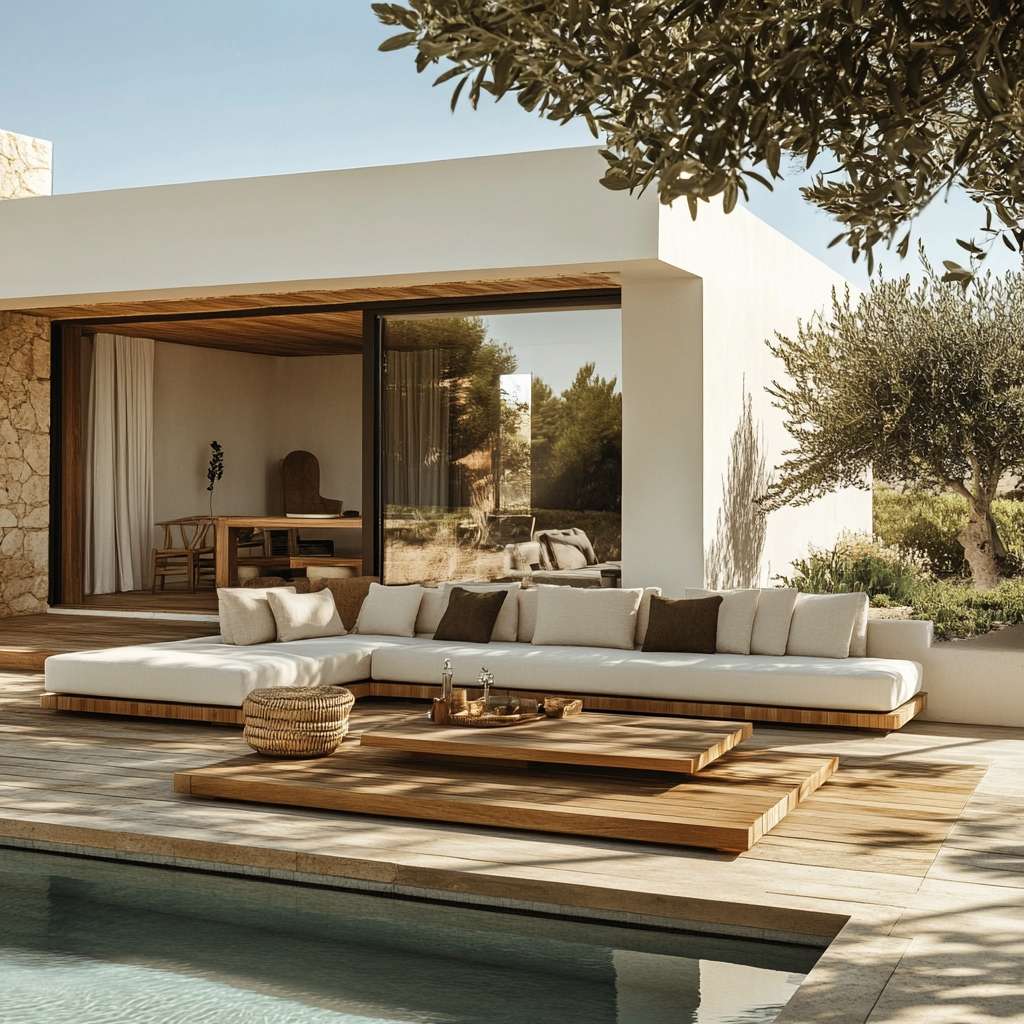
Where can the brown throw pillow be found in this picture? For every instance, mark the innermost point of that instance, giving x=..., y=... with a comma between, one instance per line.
x=349, y=595
x=471, y=615
x=685, y=625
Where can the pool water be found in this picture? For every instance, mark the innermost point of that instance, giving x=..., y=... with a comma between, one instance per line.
x=100, y=942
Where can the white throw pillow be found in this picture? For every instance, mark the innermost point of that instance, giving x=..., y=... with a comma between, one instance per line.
x=432, y=606
x=389, y=611
x=735, y=618
x=527, y=615
x=822, y=625
x=643, y=614
x=304, y=616
x=506, y=626
x=245, y=615
x=771, y=621
x=859, y=640
x=586, y=617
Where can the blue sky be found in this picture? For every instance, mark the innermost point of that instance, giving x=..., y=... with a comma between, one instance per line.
x=145, y=93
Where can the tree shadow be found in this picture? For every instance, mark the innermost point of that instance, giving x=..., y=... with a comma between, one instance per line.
x=734, y=556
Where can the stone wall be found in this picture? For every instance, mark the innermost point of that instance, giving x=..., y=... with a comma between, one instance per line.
x=24, y=463
x=25, y=166
x=24, y=411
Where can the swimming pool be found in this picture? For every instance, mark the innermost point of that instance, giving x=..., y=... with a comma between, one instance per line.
x=100, y=942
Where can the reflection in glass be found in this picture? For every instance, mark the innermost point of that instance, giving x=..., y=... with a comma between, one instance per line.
x=497, y=430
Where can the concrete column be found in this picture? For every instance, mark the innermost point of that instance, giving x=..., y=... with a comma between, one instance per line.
x=662, y=437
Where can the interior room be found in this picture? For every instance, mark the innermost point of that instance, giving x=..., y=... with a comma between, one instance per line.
x=187, y=420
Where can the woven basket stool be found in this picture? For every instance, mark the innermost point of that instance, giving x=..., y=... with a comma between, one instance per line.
x=296, y=721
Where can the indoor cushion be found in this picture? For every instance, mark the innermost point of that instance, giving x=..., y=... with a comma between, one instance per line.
x=822, y=625
x=771, y=621
x=527, y=614
x=390, y=611
x=507, y=626
x=735, y=618
x=305, y=616
x=245, y=616
x=853, y=684
x=471, y=614
x=207, y=671
x=578, y=617
x=859, y=638
x=685, y=624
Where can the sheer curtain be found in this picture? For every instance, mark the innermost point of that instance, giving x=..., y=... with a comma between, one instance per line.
x=119, y=465
x=416, y=410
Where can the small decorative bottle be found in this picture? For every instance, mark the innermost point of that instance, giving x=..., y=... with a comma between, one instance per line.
x=447, y=678
x=441, y=709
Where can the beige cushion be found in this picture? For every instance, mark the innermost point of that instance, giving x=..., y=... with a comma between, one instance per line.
x=245, y=615
x=564, y=554
x=305, y=616
x=586, y=617
x=432, y=606
x=735, y=618
x=527, y=615
x=507, y=626
x=822, y=625
x=390, y=611
x=643, y=614
x=859, y=640
x=771, y=621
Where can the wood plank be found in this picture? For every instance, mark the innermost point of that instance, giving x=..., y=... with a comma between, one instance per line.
x=720, y=810
x=27, y=641
x=264, y=300
x=881, y=721
x=596, y=740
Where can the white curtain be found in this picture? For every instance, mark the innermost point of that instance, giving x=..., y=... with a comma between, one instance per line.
x=416, y=411
x=119, y=465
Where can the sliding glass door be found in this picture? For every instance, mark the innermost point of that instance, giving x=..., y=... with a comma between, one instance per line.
x=495, y=430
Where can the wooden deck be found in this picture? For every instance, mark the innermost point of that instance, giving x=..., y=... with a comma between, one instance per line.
x=731, y=805
x=171, y=601
x=26, y=642
x=908, y=861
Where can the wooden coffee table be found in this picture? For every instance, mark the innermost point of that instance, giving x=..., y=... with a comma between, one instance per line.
x=682, y=746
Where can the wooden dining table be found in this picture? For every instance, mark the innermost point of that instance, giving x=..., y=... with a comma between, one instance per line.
x=227, y=529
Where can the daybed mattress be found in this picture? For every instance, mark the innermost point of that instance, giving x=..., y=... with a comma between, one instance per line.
x=205, y=671
x=850, y=684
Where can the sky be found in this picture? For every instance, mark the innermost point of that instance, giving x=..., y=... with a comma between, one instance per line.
x=147, y=93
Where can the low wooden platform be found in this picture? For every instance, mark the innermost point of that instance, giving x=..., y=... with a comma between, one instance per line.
x=729, y=806
x=26, y=641
x=680, y=746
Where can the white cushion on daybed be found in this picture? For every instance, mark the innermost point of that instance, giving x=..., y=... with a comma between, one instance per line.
x=851, y=684
x=206, y=671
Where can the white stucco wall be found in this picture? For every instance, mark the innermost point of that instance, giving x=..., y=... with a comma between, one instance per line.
x=754, y=282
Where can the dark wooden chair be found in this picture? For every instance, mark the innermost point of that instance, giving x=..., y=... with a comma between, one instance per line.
x=300, y=478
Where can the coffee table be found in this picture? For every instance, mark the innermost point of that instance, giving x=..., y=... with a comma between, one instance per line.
x=682, y=746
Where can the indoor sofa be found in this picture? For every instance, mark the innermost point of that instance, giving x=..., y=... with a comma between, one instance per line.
x=207, y=679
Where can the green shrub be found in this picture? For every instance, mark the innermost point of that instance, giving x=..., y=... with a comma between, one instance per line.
x=930, y=523
x=861, y=563
x=960, y=611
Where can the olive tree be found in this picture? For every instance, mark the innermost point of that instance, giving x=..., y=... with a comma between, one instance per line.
x=922, y=384
x=899, y=100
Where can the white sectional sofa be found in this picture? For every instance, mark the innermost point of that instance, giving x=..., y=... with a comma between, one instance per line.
x=883, y=690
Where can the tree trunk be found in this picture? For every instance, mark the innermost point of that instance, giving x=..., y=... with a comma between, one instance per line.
x=979, y=547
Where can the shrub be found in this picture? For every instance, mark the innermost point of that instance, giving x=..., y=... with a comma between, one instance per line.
x=960, y=611
x=930, y=523
x=861, y=563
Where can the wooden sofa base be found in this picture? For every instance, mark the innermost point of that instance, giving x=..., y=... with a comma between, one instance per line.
x=219, y=715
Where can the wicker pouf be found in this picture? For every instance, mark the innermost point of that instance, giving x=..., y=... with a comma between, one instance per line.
x=296, y=721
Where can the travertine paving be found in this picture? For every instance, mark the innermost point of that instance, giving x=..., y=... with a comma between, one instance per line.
x=910, y=862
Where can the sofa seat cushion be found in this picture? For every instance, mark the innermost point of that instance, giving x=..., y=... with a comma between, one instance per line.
x=206, y=671
x=852, y=684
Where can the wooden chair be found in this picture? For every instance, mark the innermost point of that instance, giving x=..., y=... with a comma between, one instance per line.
x=186, y=551
x=300, y=479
